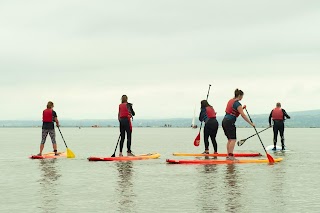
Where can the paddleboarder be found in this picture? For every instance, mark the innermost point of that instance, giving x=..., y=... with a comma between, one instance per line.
x=233, y=110
x=208, y=115
x=124, y=116
x=278, y=116
x=49, y=116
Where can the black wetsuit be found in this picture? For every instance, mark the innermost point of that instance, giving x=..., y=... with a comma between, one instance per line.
x=278, y=126
x=210, y=129
x=125, y=126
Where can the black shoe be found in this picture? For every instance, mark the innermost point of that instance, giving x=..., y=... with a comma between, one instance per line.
x=274, y=148
x=283, y=148
x=129, y=154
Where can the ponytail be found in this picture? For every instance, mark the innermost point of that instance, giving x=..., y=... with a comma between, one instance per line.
x=237, y=93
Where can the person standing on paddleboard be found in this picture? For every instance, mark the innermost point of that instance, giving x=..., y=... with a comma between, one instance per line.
x=49, y=116
x=125, y=114
x=208, y=115
x=278, y=116
x=233, y=110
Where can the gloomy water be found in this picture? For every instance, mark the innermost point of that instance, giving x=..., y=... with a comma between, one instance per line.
x=77, y=185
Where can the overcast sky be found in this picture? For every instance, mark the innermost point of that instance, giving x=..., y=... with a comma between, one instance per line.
x=83, y=55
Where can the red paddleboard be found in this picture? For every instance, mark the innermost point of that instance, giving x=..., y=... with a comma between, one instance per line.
x=211, y=161
x=217, y=155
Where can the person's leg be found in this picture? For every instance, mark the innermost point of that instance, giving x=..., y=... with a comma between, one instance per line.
x=213, y=134
x=122, y=135
x=43, y=140
x=52, y=134
x=206, y=133
x=281, y=130
x=129, y=134
x=275, y=135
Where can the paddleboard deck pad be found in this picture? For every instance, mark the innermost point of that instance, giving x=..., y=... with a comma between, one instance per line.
x=49, y=155
x=211, y=161
x=126, y=158
x=217, y=155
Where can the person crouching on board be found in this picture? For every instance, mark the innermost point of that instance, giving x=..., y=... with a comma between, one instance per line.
x=125, y=114
x=208, y=115
x=49, y=116
x=278, y=116
x=233, y=110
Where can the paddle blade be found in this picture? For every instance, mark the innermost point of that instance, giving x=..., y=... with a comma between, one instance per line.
x=196, y=141
x=270, y=158
x=241, y=142
x=114, y=154
x=70, y=154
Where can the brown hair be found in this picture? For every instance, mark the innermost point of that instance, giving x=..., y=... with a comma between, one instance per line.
x=124, y=99
x=50, y=105
x=204, y=103
x=278, y=104
x=238, y=93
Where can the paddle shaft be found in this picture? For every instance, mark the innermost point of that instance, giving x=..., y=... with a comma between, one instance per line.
x=114, y=153
x=256, y=132
x=62, y=137
x=206, y=99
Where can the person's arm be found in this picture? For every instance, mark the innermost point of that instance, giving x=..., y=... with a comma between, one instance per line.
x=57, y=121
x=131, y=110
x=270, y=116
x=285, y=114
x=55, y=118
x=240, y=110
x=201, y=115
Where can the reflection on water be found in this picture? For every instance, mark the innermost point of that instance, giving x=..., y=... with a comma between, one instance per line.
x=208, y=188
x=278, y=180
x=125, y=187
x=48, y=182
x=233, y=191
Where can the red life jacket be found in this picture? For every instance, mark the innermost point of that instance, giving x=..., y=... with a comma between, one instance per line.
x=123, y=111
x=210, y=112
x=277, y=114
x=47, y=115
x=230, y=110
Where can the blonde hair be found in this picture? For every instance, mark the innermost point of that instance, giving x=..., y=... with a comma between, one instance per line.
x=124, y=99
x=50, y=105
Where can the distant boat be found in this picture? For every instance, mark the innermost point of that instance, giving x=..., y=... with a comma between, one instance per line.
x=193, y=120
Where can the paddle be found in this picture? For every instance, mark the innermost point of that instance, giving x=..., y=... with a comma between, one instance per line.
x=114, y=154
x=244, y=140
x=196, y=141
x=70, y=154
x=270, y=158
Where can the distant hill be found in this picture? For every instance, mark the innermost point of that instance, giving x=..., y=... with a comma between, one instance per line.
x=303, y=119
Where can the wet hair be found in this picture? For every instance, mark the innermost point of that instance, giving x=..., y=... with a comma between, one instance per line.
x=278, y=104
x=124, y=99
x=50, y=105
x=238, y=93
x=204, y=103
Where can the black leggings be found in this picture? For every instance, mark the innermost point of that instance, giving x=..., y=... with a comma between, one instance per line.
x=278, y=126
x=125, y=127
x=211, y=129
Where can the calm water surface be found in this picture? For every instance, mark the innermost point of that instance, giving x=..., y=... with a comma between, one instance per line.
x=77, y=185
